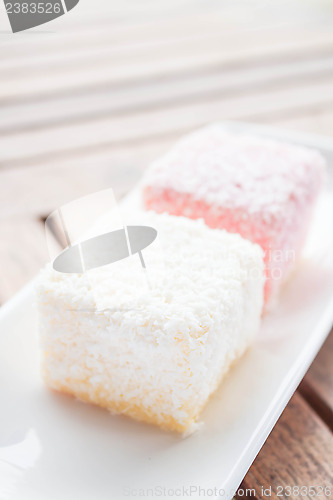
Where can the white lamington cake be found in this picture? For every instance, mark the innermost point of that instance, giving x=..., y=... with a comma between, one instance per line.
x=155, y=344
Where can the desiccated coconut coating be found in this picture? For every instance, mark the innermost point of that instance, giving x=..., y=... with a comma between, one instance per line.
x=262, y=189
x=155, y=353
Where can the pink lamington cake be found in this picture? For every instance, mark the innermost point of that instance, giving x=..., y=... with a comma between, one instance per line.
x=264, y=190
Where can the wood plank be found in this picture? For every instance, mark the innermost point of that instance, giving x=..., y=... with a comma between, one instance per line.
x=163, y=93
x=39, y=146
x=298, y=452
x=161, y=23
x=22, y=85
x=319, y=121
x=121, y=16
x=22, y=253
x=38, y=190
x=317, y=385
x=244, y=12
x=171, y=39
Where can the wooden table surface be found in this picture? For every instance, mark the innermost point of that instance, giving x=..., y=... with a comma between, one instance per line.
x=88, y=101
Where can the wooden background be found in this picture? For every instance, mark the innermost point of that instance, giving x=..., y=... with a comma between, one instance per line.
x=87, y=101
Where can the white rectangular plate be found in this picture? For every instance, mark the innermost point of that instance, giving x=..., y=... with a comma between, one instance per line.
x=52, y=446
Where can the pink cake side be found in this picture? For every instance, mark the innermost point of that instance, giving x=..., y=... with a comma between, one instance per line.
x=261, y=189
